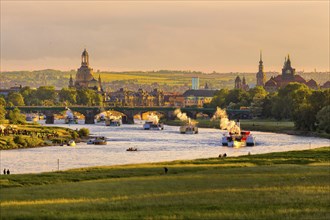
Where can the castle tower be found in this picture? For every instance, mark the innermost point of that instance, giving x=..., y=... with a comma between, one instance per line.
x=287, y=71
x=261, y=76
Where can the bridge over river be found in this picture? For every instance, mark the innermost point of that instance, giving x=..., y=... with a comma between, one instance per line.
x=128, y=112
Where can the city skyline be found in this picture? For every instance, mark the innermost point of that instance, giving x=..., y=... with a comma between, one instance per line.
x=197, y=36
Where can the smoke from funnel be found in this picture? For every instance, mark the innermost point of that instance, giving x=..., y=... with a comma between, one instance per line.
x=225, y=123
x=154, y=118
x=113, y=117
x=69, y=113
x=183, y=117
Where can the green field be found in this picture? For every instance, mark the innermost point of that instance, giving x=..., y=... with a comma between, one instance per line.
x=288, y=185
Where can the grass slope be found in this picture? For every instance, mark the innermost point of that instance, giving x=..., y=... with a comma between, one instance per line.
x=287, y=185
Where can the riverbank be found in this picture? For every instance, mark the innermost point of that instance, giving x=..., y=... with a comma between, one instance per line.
x=287, y=185
x=282, y=127
x=34, y=135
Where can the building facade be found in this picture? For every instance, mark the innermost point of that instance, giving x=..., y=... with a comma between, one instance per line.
x=288, y=76
x=141, y=98
x=198, y=97
x=241, y=84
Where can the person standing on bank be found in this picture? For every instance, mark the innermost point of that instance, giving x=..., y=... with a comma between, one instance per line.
x=4, y=171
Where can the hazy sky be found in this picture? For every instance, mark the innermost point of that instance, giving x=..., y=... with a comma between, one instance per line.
x=209, y=36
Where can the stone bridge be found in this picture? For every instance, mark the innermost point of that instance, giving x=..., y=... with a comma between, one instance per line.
x=129, y=112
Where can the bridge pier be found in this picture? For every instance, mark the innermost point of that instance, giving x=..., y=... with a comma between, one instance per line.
x=50, y=119
x=128, y=119
x=90, y=118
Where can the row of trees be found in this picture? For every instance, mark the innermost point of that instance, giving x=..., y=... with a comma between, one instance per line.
x=309, y=109
x=48, y=96
x=14, y=116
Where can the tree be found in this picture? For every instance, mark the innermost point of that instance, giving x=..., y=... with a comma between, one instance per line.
x=219, y=98
x=238, y=97
x=323, y=118
x=288, y=100
x=257, y=91
x=16, y=98
x=68, y=95
x=83, y=132
x=88, y=97
x=2, y=112
x=257, y=95
x=15, y=117
x=2, y=101
x=30, y=96
x=46, y=93
x=84, y=97
x=304, y=117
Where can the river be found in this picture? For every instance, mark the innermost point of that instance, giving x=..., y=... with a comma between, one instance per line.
x=153, y=146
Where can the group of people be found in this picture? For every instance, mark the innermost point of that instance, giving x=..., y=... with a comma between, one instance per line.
x=223, y=155
x=6, y=172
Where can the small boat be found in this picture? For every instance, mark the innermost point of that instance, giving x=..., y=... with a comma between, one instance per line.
x=113, y=122
x=71, y=120
x=101, y=118
x=100, y=141
x=189, y=129
x=90, y=141
x=71, y=143
x=150, y=125
x=245, y=138
x=131, y=149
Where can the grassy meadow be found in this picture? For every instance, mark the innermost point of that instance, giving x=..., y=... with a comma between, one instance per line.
x=287, y=185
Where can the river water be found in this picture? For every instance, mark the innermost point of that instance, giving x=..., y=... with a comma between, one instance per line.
x=153, y=146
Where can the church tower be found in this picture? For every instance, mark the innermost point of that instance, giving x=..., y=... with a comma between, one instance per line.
x=261, y=76
x=238, y=83
x=71, y=82
x=85, y=58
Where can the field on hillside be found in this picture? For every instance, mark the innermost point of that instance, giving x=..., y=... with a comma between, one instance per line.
x=287, y=185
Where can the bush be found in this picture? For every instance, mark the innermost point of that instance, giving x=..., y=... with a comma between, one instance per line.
x=20, y=141
x=83, y=132
x=33, y=142
x=74, y=135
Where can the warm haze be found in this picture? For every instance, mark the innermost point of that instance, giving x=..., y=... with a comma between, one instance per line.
x=209, y=36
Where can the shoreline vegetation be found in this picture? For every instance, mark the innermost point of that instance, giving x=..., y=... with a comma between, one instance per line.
x=35, y=135
x=284, y=185
x=282, y=127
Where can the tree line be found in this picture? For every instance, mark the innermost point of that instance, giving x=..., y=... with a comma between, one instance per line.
x=48, y=96
x=308, y=109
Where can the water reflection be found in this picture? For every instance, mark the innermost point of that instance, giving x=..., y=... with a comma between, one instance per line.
x=153, y=146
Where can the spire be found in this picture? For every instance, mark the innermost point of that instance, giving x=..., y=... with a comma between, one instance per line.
x=288, y=61
x=71, y=81
x=85, y=58
x=243, y=81
x=100, y=84
x=260, y=55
